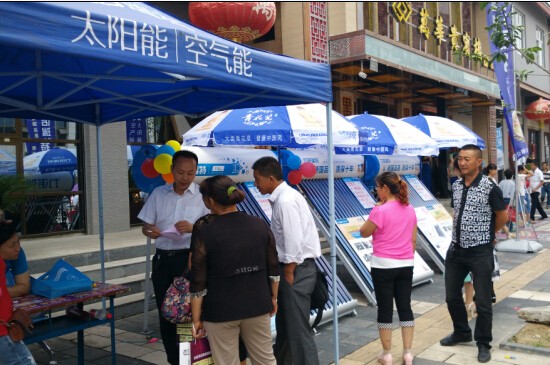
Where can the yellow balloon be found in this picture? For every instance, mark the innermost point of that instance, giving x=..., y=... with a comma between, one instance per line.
x=174, y=144
x=162, y=163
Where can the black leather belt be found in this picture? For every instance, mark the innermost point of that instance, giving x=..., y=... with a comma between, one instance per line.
x=160, y=252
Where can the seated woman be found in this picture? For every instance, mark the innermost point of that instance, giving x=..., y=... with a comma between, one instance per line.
x=235, y=277
x=17, y=274
x=13, y=353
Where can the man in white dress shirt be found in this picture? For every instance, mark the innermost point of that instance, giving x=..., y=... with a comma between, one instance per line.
x=535, y=184
x=169, y=211
x=297, y=246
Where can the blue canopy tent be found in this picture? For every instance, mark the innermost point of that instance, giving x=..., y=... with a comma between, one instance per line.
x=106, y=62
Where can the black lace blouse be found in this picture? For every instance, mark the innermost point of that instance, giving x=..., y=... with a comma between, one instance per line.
x=234, y=259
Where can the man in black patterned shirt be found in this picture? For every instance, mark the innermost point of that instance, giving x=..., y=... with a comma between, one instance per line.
x=479, y=212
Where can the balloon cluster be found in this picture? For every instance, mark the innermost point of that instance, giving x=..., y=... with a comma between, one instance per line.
x=293, y=168
x=152, y=166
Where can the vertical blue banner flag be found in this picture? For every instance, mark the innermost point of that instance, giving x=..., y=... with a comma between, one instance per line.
x=504, y=72
x=40, y=129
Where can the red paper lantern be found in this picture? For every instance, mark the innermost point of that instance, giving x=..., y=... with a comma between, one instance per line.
x=238, y=21
x=538, y=110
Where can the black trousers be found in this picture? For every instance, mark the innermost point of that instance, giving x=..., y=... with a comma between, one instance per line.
x=459, y=262
x=165, y=269
x=390, y=284
x=535, y=205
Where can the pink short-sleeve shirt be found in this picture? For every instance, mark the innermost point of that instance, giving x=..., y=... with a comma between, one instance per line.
x=393, y=237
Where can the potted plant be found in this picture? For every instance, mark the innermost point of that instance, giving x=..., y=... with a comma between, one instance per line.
x=12, y=193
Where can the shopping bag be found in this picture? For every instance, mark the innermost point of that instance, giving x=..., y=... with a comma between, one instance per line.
x=511, y=213
x=62, y=279
x=196, y=352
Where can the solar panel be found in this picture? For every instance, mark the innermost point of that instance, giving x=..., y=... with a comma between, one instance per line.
x=435, y=224
x=345, y=302
x=350, y=209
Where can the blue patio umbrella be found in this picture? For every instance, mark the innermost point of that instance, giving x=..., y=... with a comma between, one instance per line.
x=445, y=131
x=292, y=126
x=54, y=160
x=381, y=135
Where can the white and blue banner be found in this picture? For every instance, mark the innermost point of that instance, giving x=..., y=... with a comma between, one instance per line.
x=504, y=72
x=40, y=129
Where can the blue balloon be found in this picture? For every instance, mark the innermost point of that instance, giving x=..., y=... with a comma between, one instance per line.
x=166, y=149
x=293, y=162
x=285, y=154
x=144, y=183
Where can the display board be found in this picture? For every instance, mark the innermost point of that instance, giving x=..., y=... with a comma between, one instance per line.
x=258, y=204
x=422, y=271
x=435, y=224
x=354, y=203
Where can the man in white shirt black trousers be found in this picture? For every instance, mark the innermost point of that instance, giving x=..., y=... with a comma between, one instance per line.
x=172, y=207
x=297, y=246
x=535, y=184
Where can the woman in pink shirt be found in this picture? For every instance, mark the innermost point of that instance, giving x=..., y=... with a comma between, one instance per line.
x=392, y=225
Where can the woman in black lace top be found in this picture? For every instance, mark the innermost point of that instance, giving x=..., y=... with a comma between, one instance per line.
x=235, y=276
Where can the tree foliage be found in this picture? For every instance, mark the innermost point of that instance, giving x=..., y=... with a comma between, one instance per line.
x=12, y=192
x=505, y=35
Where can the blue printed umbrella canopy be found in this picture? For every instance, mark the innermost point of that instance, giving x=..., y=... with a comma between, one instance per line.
x=56, y=159
x=445, y=131
x=381, y=135
x=7, y=160
x=284, y=126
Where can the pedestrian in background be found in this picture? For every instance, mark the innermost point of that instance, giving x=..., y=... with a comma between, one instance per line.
x=392, y=225
x=535, y=184
x=545, y=190
x=173, y=207
x=479, y=212
x=298, y=246
x=492, y=171
x=235, y=276
x=508, y=188
x=523, y=192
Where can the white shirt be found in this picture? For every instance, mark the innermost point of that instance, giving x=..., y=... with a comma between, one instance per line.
x=508, y=187
x=165, y=207
x=535, y=180
x=521, y=184
x=293, y=226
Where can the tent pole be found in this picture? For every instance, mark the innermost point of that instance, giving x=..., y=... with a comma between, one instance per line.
x=332, y=232
x=100, y=198
x=146, y=330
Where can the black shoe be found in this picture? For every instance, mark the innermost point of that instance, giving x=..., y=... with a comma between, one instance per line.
x=542, y=218
x=484, y=354
x=453, y=339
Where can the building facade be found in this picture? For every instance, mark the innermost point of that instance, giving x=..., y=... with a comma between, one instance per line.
x=388, y=58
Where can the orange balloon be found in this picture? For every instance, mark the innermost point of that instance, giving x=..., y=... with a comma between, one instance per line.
x=169, y=178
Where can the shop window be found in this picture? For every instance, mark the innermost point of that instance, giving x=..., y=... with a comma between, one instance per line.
x=546, y=147
x=518, y=20
x=46, y=154
x=541, y=55
x=7, y=126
